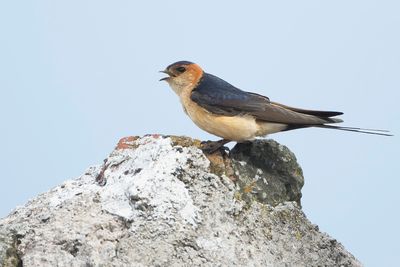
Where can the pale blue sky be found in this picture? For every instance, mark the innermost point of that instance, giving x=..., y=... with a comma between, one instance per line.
x=75, y=76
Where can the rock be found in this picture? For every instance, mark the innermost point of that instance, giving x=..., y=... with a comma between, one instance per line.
x=159, y=201
x=268, y=171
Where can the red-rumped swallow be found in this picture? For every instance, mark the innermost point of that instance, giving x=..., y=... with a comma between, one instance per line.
x=223, y=110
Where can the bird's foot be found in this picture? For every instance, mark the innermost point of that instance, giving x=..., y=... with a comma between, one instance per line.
x=212, y=146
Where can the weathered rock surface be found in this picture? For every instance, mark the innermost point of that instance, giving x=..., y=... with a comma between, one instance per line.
x=159, y=201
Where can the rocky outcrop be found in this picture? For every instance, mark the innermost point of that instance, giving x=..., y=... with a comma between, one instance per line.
x=160, y=201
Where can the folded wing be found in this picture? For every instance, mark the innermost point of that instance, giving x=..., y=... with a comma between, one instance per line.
x=220, y=97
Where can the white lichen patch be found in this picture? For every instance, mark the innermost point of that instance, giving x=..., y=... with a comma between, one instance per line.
x=243, y=163
x=144, y=182
x=71, y=188
x=209, y=244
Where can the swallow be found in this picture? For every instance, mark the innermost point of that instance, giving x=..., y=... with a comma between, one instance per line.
x=226, y=111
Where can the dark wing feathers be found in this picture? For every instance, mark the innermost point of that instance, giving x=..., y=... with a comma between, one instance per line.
x=318, y=113
x=220, y=97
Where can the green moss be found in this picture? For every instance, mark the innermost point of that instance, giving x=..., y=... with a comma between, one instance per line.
x=12, y=257
x=298, y=235
x=238, y=196
x=184, y=141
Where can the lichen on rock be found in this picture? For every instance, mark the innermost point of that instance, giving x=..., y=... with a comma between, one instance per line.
x=268, y=172
x=160, y=201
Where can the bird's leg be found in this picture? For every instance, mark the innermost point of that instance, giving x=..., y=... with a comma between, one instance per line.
x=212, y=146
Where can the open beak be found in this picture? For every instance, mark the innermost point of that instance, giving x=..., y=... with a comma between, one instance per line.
x=166, y=72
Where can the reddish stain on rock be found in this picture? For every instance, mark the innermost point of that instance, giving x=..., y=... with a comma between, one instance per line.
x=127, y=142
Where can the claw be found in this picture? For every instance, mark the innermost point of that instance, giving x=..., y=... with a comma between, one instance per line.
x=212, y=146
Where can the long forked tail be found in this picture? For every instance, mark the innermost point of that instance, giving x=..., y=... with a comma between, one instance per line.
x=355, y=129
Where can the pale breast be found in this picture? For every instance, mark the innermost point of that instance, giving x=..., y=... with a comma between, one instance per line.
x=235, y=128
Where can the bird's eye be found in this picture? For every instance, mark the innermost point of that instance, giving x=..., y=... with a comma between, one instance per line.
x=181, y=69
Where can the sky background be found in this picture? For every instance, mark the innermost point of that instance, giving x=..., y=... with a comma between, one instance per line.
x=76, y=76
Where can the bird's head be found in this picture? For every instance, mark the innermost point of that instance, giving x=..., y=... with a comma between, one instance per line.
x=182, y=75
